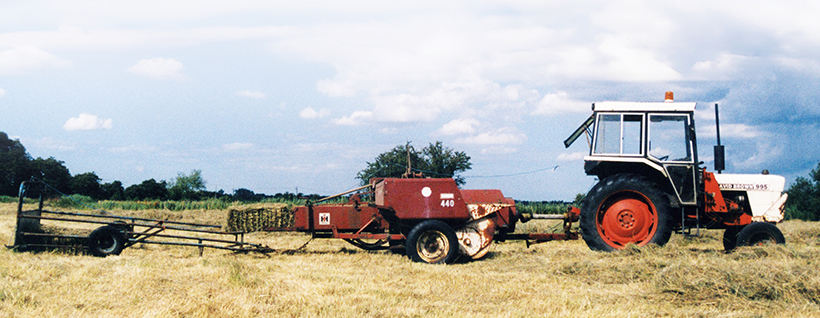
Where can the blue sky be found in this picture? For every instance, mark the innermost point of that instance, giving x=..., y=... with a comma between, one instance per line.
x=276, y=96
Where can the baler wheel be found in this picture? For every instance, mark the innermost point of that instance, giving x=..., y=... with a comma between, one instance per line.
x=433, y=242
x=624, y=209
x=760, y=233
x=106, y=240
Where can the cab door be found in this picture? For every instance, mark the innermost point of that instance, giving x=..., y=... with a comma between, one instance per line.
x=671, y=143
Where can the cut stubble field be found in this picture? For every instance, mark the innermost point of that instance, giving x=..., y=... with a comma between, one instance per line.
x=689, y=277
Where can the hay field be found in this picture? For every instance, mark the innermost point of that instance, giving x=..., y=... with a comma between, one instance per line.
x=686, y=278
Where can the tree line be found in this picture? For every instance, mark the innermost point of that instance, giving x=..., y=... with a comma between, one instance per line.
x=804, y=197
x=16, y=166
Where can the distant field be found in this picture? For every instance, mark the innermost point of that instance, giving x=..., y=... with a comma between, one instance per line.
x=329, y=278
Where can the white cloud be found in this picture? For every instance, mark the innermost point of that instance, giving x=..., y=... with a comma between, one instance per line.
x=458, y=127
x=251, y=94
x=87, y=122
x=555, y=103
x=23, y=59
x=237, y=146
x=134, y=148
x=765, y=153
x=725, y=66
x=2, y=92
x=158, y=68
x=499, y=150
x=357, y=118
x=310, y=113
x=501, y=136
x=571, y=156
x=404, y=108
x=734, y=130
x=51, y=144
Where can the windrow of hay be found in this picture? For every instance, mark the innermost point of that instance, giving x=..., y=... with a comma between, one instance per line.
x=254, y=218
x=774, y=273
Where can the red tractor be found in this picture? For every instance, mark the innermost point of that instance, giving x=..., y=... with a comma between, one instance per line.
x=651, y=182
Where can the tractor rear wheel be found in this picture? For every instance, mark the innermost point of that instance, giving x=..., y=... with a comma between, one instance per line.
x=624, y=209
x=433, y=242
x=760, y=233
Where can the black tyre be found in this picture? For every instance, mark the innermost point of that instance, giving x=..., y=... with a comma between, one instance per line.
x=106, y=240
x=624, y=209
x=433, y=242
x=730, y=237
x=760, y=233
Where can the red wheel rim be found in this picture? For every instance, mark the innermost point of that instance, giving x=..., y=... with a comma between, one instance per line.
x=627, y=217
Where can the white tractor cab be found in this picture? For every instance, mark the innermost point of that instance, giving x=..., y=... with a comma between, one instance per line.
x=651, y=182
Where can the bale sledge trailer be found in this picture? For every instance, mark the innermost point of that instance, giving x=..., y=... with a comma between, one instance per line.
x=114, y=233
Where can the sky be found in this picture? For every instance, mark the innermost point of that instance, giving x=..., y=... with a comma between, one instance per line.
x=297, y=96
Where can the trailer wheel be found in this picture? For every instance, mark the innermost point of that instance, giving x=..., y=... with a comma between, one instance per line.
x=760, y=233
x=433, y=242
x=730, y=237
x=625, y=209
x=106, y=240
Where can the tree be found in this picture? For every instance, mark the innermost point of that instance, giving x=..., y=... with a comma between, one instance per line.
x=53, y=172
x=445, y=162
x=187, y=186
x=14, y=165
x=113, y=190
x=148, y=189
x=804, y=197
x=435, y=160
x=243, y=194
x=87, y=184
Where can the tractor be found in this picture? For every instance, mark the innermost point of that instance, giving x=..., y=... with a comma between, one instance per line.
x=651, y=183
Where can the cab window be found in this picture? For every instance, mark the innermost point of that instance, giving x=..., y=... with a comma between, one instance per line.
x=619, y=134
x=669, y=138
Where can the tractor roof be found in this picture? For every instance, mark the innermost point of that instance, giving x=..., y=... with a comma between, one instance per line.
x=643, y=107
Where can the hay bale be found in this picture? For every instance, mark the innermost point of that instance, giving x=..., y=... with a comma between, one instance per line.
x=256, y=217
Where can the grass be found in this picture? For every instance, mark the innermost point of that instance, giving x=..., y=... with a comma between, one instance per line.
x=330, y=278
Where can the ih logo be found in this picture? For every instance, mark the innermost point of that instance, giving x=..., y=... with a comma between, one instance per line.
x=324, y=218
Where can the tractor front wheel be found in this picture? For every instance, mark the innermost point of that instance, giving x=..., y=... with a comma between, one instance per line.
x=624, y=209
x=760, y=233
x=433, y=242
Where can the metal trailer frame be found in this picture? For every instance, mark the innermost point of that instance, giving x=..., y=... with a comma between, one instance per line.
x=28, y=234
